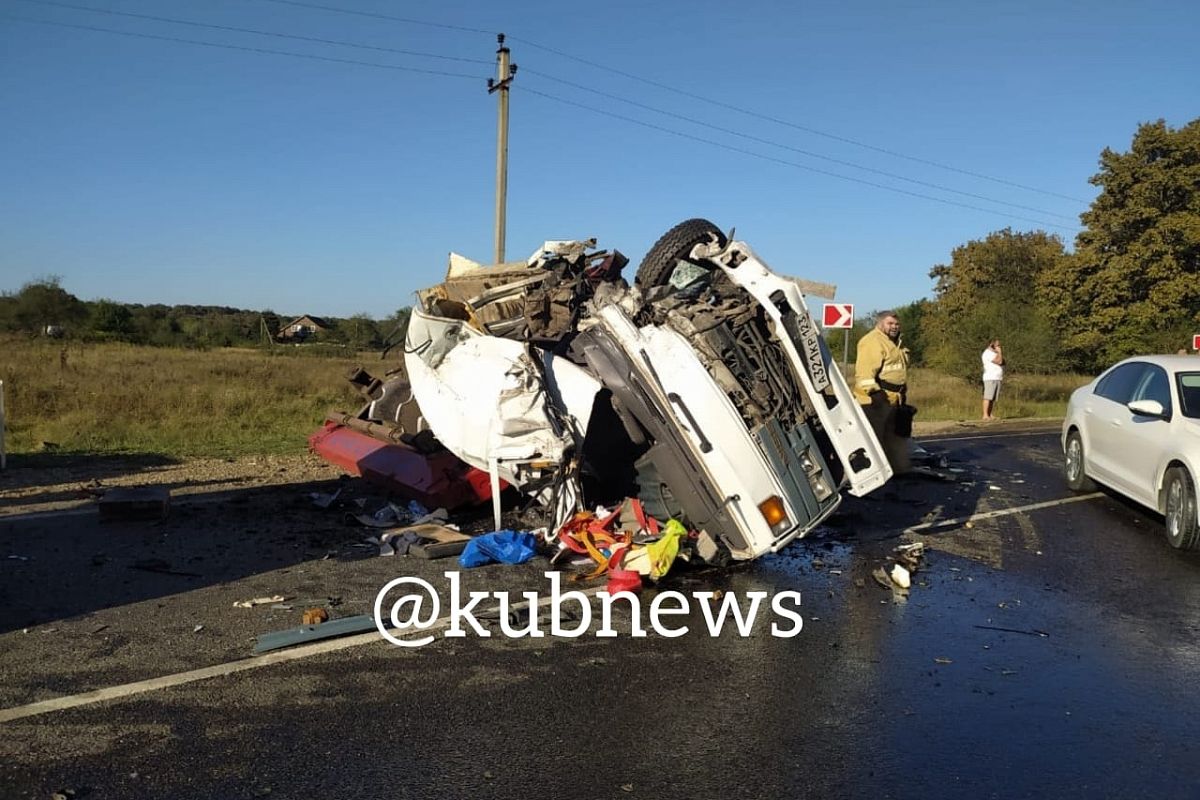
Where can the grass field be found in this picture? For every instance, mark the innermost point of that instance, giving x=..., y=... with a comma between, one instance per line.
x=942, y=397
x=115, y=398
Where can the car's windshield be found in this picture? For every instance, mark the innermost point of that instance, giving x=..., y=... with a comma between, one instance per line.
x=1189, y=393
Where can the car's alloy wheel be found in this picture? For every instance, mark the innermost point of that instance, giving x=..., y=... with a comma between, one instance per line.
x=1077, y=480
x=1179, y=509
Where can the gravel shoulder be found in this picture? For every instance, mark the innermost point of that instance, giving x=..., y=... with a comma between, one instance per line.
x=64, y=482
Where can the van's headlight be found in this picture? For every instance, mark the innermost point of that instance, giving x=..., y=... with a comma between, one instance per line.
x=820, y=487
x=774, y=513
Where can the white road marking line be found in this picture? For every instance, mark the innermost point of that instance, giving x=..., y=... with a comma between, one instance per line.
x=180, y=678
x=217, y=670
x=1002, y=512
x=1047, y=432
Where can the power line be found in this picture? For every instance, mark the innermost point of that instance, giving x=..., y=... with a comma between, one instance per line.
x=786, y=123
x=550, y=97
x=806, y=167
x=407, y=20
x=810, y=154
x=773, y=143
x=241, y=48
x=694, y=96
x=254, y=31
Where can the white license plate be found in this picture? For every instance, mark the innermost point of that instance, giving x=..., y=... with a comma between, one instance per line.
x=810, y=343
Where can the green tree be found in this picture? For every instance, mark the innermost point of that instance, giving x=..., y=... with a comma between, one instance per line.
x=269, y=326
x=111, y=320
x=8, y=312
x=912, y=329
x=1133, y=285
x=988, y=290
x=43, y=303
x=395, y=327
x=359, y=331
x=336, y=333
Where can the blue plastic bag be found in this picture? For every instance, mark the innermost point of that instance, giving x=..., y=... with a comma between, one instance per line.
x=507, y=547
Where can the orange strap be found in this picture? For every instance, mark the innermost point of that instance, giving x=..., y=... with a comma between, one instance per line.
x=588, y=535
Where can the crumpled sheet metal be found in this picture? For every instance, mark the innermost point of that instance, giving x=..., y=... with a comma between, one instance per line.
x=555, y=250
x=434, y=480
x=486, y=400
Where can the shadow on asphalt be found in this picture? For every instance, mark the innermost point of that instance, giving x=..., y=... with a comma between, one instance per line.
x=58, y=566
x=63, y=564
x=41, y=469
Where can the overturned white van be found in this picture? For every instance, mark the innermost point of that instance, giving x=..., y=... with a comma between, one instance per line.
x=705, y=390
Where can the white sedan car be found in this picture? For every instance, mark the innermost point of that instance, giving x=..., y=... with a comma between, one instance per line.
x=1136, y=429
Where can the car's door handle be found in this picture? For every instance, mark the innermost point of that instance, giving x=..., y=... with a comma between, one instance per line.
x=705, y=444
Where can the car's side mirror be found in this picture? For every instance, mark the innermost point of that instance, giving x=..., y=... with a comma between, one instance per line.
x=1148, y=408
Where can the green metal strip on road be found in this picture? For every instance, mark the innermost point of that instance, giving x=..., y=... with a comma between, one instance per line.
x=314, y=633
x=215, y=671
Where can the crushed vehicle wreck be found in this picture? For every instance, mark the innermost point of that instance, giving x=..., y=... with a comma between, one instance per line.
x=705, y=390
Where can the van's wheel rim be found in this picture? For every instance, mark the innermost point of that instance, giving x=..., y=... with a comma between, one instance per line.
x=1074, y=459
x=1174, y=513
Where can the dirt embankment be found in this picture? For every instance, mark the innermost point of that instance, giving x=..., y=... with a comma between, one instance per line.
x=59, y=482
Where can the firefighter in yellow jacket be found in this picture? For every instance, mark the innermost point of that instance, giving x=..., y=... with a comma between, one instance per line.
x=881, y=385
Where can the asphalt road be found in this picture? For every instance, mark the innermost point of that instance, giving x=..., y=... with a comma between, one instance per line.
x=1046, y=652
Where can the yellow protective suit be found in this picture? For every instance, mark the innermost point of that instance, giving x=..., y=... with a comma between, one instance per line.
x=879, y=358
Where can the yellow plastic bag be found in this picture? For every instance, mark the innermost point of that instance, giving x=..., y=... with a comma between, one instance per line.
x=662, y=552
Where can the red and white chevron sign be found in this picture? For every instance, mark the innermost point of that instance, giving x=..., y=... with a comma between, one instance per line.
x=838, y=315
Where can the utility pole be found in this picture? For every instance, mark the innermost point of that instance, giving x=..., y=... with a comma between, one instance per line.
x=265, y=331
x=504, y=77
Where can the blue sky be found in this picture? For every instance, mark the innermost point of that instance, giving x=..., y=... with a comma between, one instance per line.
x=146, y=170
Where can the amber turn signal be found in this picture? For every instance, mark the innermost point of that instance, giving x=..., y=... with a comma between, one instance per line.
x=772, y=510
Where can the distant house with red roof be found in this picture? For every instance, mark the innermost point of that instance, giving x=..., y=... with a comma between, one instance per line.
x=302, y=327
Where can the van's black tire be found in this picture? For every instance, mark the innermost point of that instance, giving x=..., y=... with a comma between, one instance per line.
x=1179, y=507
x=674, y=245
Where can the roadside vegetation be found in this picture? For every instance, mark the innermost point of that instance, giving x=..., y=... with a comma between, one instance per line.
x=940, y=397
x=110, y=398
x=121, y=398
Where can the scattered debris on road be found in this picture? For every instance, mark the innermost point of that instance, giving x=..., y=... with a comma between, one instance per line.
x=428, y=541
x=135, y=502
x=1033, y=632
x=260, y=601
x=161, y=567
x=314, y=616
x=908, y=559
x=502, y=547
x=324, y=500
